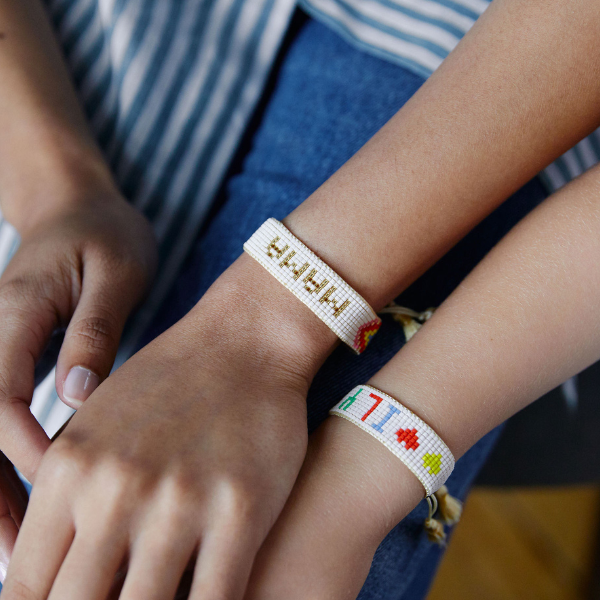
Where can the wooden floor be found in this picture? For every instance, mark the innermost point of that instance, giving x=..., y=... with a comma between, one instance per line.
x=523, y=544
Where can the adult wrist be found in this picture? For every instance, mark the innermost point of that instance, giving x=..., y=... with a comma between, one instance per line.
x=314, y=283
x=261, y=316
x=57, y=173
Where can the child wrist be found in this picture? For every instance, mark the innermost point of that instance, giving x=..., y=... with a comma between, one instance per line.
x=413, y=443
x=401, y=431
x=370, y=487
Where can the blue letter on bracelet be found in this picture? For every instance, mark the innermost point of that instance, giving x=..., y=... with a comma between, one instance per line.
x=379, y=426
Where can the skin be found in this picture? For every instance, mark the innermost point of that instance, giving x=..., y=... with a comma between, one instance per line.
x=474, y=357
x=171, y=438
x=85, y=259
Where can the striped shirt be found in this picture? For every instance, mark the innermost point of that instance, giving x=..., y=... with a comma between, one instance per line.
x=169, y=86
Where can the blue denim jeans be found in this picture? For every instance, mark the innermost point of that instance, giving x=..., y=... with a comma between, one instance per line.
x=328, y=100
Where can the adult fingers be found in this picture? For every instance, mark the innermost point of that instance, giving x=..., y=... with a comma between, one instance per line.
x=116, y=586
x=224, y=564
x=102, y=533
x=158, y=560
x=22, y=438
x=13, y=503
x=13, y=491
x=90, y=565
x=103, y=529
x=28, y=316
x=43, y=542
x=164, y=542
x=108, y=296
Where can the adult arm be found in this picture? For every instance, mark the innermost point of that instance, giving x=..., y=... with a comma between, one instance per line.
x=519, y=90
x=47, y=153
x=85, y=256
x=511, y=97
x=521, y=323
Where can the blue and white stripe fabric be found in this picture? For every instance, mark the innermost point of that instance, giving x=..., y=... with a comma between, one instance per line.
x=169, y=86
x=417, y=34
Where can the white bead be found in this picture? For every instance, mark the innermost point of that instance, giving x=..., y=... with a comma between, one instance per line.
x=355, y=324
x=423, y=451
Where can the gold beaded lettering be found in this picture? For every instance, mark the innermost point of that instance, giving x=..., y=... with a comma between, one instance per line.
x=279, y=252
x=340, y=309
x=309, y=279
x=298, y=272
x=286, y=260
x=325, y=296
x=337, y=310
x=286, y=263
x=314, y=283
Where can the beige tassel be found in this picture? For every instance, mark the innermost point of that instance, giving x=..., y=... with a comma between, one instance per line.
x=433, y=527
x=409, y=325
x=435, y=532
x=410, y=320
x=450, y=508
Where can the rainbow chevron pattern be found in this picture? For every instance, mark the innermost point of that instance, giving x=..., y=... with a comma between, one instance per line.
x=365, y=333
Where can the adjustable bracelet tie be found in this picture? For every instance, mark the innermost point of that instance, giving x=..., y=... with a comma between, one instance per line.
x=416, y=444
x=313, y=282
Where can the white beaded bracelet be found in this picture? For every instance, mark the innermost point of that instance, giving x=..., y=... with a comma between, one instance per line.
x=415, y=443
x=313, y=282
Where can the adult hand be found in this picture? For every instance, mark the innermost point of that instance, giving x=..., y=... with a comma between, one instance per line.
x=191, y=447
x=84, y=267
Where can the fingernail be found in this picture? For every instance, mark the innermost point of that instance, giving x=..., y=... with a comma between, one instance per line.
x=3, y=569
x=79, y=385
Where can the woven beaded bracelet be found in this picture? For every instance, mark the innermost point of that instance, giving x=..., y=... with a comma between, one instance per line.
x=313, y=282
x=401, y=431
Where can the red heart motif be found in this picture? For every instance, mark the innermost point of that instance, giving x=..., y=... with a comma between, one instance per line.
x=409, y=437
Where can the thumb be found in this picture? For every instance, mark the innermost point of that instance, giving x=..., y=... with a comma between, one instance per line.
x=92, y=338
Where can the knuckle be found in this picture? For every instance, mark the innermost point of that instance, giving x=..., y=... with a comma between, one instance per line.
x=118, y=471
x=14, y=292
x=124, y=480
x=64, y=461
x=96, y=332
x=23, y=288
x=181, y=495
x=16, y=301
x=6, y=393
x=31, y=299
x=116, y=496
x=238, y=502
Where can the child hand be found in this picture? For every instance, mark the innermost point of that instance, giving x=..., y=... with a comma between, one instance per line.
x=350, y=493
